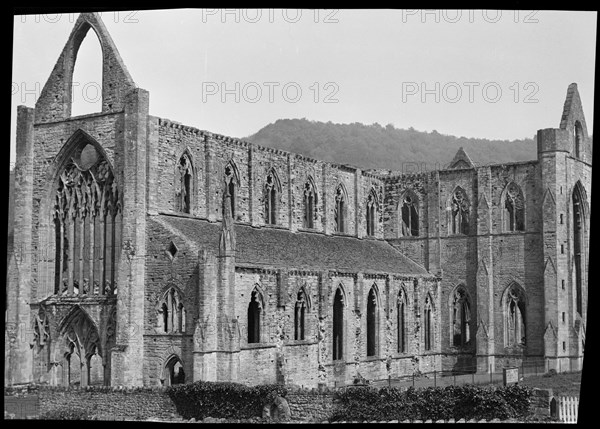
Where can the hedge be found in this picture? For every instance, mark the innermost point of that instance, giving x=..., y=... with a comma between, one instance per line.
x=452, y=402
x=66, y=413
x=223, y=399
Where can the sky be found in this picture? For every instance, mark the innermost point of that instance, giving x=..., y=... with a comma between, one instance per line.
x=473, y=73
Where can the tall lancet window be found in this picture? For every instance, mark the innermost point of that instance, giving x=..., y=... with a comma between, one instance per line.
x=461, y=318
x=578, y=243
x=577, y=138
x=338, y=325
x=401, y=315
x=87, y=226
x=186, y=173
x=371, y=213
x=310, y=200
x=271, y=200
x=427, y=324
x=459, y=212
x=300, y=316
x=409, y=215
x=514, y=316
x=254, y=315
x=232, y=182
x=372, y=323
x=340, y=210
x=514, y=207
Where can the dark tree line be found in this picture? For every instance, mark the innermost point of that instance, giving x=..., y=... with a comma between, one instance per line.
x=377, y=147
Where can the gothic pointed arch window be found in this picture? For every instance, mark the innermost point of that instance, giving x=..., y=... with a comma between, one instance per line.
x=372, y=323
x=514, y=316
x=459, y=212
x=461, y=317
x=310, y=202
x=401, y=322
x=577, y=139
x=86, y=220
x=186, y=183
x=428, y=330
x=255, y=308
x=339, y=215
x=409, y=215
x=579, y=242
x=171, y=312
x=338, y=325
x=371, y=212
x=82, y=349
x=300, y=310
x=514, y=208
x=272, y=190
x=232, y=183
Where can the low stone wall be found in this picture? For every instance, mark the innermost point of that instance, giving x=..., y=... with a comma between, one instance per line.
x=310, y=405
x=107, y=403
x=540, y=402
x=104, y=403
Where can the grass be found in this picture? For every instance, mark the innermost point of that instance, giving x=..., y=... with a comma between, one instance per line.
x=563, y=384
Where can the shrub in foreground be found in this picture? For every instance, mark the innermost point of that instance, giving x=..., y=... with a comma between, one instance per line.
x=452, y=402
x=222, y=400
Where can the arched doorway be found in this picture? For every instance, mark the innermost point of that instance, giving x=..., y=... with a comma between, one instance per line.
x=173, y=373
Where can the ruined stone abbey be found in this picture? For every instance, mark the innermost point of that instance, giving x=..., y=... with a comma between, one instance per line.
x=146, y=252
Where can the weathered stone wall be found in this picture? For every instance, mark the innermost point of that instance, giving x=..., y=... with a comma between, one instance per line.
x=488, y=253
x=212, y=153
x=310, y=405
x=305, y=405
x=166, y=272
x=107, y=403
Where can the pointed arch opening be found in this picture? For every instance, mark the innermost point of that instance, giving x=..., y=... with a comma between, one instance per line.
x=86, y=80
x=428, y=327
x=460, y=309
x=232, y=184
x=255, y=310
x=372, y=210
x=459, y=211
x=579, y=242
x=401, y=321
x=301, y=309
x=515, y=316
x=310, y=203
x=82, y=350
x=577, y=139
x=409, y=215
x=86, y=223
x=514, y=208
x=338, y=325
x=340, y=208
x=372, y=323
x=185, y=191
x=272, y=195
x=173, y=371
x=171, y=312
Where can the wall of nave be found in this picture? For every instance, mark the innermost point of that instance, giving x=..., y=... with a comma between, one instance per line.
x=268, y=186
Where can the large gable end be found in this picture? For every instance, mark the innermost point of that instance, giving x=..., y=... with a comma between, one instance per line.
x=54, y=103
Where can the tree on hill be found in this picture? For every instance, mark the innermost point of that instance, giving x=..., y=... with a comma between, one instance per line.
x=377, y=147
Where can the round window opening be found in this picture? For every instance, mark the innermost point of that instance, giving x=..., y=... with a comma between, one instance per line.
x=89, y=156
